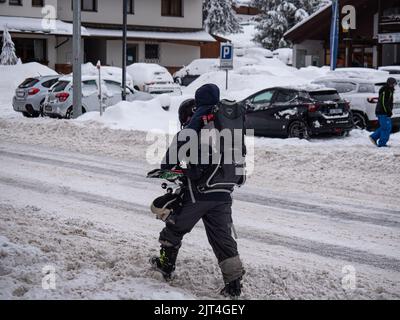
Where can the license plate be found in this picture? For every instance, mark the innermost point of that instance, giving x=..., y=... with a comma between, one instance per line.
x=335, y=111
x=48, y=108
x=20, y=94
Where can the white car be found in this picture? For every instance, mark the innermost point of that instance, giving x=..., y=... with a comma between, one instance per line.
x=394, y=71
x=195, y=69
x=59, y=101
x=152, y=78
x=362, y=94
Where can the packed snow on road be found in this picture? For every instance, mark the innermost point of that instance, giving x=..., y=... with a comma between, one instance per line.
x=317, y=218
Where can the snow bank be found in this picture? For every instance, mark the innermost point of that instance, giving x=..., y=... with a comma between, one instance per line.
x=246, y=80
x=243, y=39
x=311, y=72
x=140, y=115
x=12, y=77
x=285, y=55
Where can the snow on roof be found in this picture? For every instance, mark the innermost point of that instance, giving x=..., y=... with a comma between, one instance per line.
x=351, y=79
x=308, y=18
x=193, y=36
x=37, y=25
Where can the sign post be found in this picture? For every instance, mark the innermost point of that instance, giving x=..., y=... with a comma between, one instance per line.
x=98, y=66
x=226, y=59
x=334, y=35
x=77, y=60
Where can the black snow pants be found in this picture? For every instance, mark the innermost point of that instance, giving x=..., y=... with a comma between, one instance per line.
x=217, y=219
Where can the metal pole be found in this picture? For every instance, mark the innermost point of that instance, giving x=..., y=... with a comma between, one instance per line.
x=226, y=79
x=77, y=63
x=124, y=50
x=100, y=92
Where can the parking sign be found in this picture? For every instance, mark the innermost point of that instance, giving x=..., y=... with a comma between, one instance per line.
x=226, y=56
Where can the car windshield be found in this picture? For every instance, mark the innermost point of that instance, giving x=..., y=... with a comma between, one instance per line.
x=325, y=95
x=28, y=83
x=60, y=86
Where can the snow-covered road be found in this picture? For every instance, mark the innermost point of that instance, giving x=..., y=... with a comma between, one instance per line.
x=77, y=199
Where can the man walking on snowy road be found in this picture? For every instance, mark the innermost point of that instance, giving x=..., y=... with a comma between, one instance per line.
x=212, y=204
x=384, y=113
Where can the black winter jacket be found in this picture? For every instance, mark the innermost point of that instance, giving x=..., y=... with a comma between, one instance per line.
x=206, y=98
x=385, y=102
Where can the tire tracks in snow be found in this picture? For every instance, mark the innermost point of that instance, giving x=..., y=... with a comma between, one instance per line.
x=266, y=201
x=293, y=243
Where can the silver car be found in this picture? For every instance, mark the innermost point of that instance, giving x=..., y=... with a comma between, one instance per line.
x=31, y=94
x=59, y=101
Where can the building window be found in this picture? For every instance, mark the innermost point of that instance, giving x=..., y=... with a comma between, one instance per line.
x=15, y=2
x=37, y=3
x=171, y=8
x=131, y=6
x=89, y=5
x=152, y=52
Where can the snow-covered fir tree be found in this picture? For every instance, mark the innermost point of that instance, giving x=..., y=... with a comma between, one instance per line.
x=8, y=56
x=219, y=17
x=278, y=16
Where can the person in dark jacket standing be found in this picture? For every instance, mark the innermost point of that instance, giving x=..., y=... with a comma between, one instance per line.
x=384, y=113
x=214, y=208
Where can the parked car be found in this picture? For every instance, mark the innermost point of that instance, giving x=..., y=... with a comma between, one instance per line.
x=394, y=71
x=59, y=101
x=297, y=112
x=152, y=78
x=31, y=93
x=195, y=69
x=362, y=95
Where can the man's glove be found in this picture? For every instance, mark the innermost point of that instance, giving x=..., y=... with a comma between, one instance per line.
x=170, y=175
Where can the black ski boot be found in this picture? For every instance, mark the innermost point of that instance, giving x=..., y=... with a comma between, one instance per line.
x=232, y=289
x=165, y=263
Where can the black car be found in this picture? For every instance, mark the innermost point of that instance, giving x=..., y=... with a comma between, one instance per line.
x=291, y=112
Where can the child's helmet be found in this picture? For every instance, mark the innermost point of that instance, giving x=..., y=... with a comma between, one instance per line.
x=186, y=111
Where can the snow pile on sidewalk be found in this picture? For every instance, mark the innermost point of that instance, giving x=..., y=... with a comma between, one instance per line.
x=140, y=115
x=12, y=77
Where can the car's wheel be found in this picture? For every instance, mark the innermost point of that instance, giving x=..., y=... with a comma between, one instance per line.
x=70, y=112
x=359, y=121
x=298, y=129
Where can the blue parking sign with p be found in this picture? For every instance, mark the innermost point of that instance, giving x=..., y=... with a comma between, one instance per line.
x=226, y=53
x=226, y=56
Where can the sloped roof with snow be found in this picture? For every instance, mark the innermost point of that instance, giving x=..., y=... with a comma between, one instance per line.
x=38, y=25
x=159, y=35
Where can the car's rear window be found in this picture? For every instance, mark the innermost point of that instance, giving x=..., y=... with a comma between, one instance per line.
x=325, y=95
x=341, y=87
x=28, y=83
x=60, y=86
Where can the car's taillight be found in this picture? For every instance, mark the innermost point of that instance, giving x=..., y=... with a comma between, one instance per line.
x=33, y=91
x=373, y=100
x=62, y=97
x=312, y=108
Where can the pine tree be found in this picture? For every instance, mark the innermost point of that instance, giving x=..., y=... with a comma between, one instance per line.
x=8, y=56
x=278, y=16
x=219, y=17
